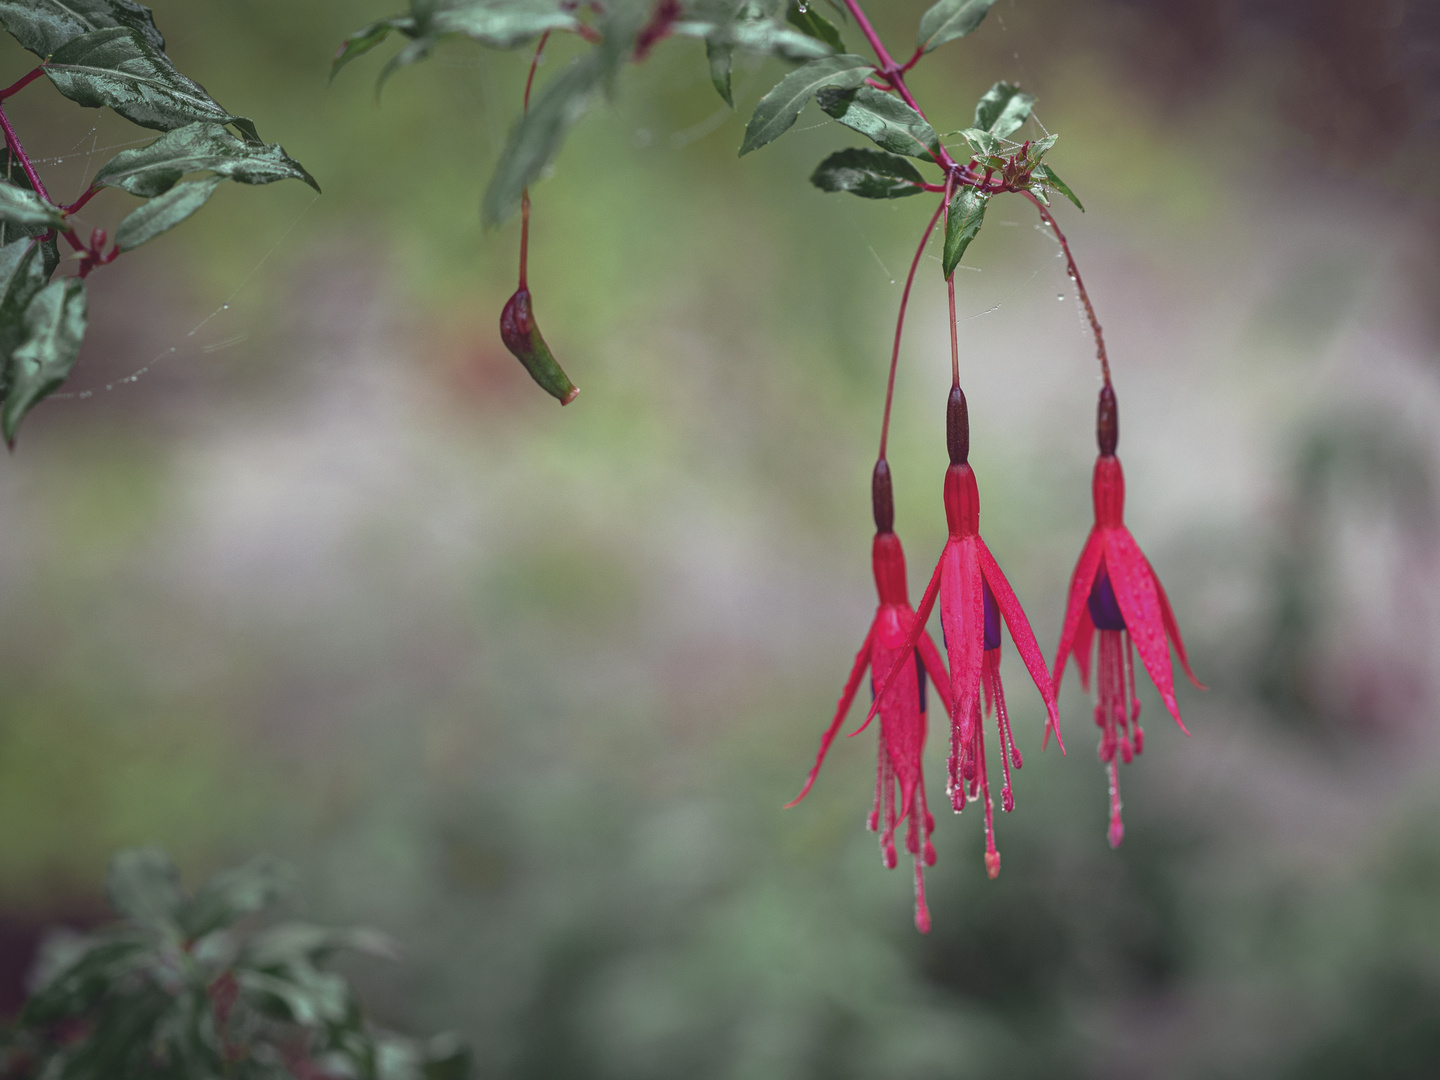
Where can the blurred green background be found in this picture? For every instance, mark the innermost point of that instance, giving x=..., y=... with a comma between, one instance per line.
x=331, y=578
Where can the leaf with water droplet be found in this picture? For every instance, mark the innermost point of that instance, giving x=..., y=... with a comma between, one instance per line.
x=811, y=23
x=962, y=224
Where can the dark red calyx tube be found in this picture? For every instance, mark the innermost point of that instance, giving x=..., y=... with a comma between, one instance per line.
x=522, y=337
x=882, y=498
x=1107, y=421
x=957, y=427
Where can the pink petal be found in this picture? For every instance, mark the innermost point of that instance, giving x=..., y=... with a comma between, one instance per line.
x=1021, y=634
x=847, y=697
x=1076, y=607
x=927, y=605
x=1084, y=637
x=902, y=725
x=1134, y=584
x=962, y=614
x=1173, y=629
x=935, y=665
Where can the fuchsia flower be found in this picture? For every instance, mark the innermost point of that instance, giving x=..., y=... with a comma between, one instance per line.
x=889, y=644
x=1115, y=592
x=974, y=595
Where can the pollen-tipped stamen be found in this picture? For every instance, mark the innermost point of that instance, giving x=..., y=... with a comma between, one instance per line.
x=992, y=856
x=1117, y=827
x=887, y=837
x=873, y=821
x=1002, y=722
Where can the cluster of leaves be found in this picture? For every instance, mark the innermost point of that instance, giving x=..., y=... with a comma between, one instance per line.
x=847, y=86
x=104, y=53
x=175, y=992
x=618, y=30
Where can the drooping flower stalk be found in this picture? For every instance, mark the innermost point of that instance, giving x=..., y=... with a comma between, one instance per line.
x=974, y=597
x=518, y=328
x=1115, y=595
x=902, y=707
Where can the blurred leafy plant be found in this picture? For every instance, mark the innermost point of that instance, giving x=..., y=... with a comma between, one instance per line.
x=178, y=990
x=102, y=53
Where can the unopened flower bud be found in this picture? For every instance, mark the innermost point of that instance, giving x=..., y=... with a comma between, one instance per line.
x=522, y=337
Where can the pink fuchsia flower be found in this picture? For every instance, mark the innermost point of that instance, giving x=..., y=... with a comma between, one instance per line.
x=974, y=596
x=901, y=745
x=1116, y=594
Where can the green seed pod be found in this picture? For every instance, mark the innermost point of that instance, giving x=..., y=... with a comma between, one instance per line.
x=522, y=337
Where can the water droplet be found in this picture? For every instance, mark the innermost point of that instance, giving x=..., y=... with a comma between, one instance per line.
x=1060, y=296
x=224, y=307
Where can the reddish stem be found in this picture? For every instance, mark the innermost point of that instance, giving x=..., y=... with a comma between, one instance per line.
x=900, y=324
x=13, y=142
x=534, y=63
x=1049, y=219
x=525, y=194
x=893, y=73
x=950, y=288
x=22, y=82
x=80, y=202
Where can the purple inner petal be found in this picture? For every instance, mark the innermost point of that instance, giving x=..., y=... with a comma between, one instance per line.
x=1104, y=608
x=992, y=620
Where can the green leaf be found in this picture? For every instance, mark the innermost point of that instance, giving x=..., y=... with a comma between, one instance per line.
x=871, y=174
x=118, y=68
x=1040, y=147
x=962, y=224
x=720, y=57
x=950, y=19
x=538, y=134
x=365, y=39
x=54, y=328
x=77, y=985
x=1046, y=175
x=780, y=108
x=143, y=884
x=21, y=206
x=153, y=169
x=233, y=893
x=12, y=172
x=164, y=212
x=42, y=26
x=884, y=119
x=501, y=24
x=290, y=943
x=981, y=142
x=746, y=26
x=536, y=138
x=1003, y=109
x=308, y=998
x=811, y=23
x=23, y=273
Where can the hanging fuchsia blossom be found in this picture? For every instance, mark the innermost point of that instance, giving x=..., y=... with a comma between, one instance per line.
x=974, y=596
x=901, y=706
x=1115, y=592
